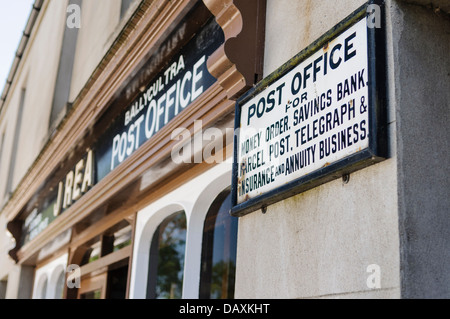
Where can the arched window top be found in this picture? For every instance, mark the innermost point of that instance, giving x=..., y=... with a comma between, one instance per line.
x=59, y=286
x=42, y=288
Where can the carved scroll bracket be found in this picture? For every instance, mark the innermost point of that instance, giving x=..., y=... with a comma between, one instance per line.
x=238, y=63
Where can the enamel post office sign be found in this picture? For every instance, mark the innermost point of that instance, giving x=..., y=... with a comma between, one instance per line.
x=319, y=117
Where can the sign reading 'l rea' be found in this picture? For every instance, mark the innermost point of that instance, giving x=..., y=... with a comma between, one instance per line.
x=180, y=81
x=318, y=117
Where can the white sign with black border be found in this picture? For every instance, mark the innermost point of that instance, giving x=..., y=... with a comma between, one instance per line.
x=317, y=118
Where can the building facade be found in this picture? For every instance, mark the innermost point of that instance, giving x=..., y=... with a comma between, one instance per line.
x=118, y=152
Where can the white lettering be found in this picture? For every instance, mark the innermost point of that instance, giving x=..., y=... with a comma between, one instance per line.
x=184, y=101
x=68, y=190
x=130, y=147
x=115, y=149
x=160, y=110
x=76, y=193
x=122, y=147
x=196, y=92
x=88, y=179
x=149, y=130
x=57, y=206
x=170, y=102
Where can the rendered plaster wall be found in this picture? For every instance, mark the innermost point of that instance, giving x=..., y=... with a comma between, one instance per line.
x=394, y=214
x=422, y=66
x=99, y=19
x=26, y=132
x=24, y=127
x=319, y=244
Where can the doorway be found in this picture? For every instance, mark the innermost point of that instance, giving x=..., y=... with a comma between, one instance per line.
x=108, y=285
x=93, y=287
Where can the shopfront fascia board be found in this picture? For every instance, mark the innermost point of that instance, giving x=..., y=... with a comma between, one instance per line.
x=115, y=68
x=148, y=155
x=243, y=23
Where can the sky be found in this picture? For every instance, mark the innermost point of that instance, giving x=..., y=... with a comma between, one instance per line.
x=13, y=18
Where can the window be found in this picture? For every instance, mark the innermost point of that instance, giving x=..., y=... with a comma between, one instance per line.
x=166, y=264
x=104, y=261
x=60, y=285
x=92, y=253
x=9, y=183
x=111, y=241
x=218, y=265
x=60, y=102
x=42, y=288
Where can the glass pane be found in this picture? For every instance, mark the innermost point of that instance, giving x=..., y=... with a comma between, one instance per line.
x=167, y=259
x=219, y=250
x=117, y=283
x=97, y=294
x=60, y=286
x=122, y=238
x=92, y=253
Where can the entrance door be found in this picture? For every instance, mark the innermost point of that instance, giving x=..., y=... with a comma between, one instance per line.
x=93, y=287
